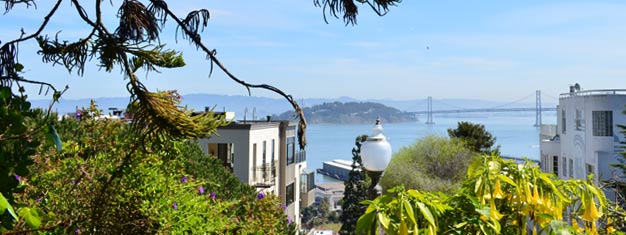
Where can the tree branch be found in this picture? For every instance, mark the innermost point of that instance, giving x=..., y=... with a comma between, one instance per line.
x=198, y=42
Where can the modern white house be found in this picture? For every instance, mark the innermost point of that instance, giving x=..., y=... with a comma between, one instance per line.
x=586, y=138
x=264, y=154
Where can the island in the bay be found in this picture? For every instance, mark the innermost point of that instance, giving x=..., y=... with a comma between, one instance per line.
x=350, y=113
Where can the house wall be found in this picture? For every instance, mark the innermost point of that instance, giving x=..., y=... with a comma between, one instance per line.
x=240, y=138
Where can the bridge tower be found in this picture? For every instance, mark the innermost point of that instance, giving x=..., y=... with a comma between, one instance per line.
x=429, y=119
x=538, y=108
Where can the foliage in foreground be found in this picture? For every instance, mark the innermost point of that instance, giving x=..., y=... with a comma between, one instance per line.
x=498, y=197
x=106, y=181
x=432, y=164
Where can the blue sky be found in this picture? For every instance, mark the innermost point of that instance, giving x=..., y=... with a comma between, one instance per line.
x=492, y=50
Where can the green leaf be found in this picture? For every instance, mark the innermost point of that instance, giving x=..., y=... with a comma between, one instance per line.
x=19, y=67
x=5, y=205
x=31, y=217
x=507, y=180
x=365, y=222
x=409, y=210
x=426, y=212
x=384, y=220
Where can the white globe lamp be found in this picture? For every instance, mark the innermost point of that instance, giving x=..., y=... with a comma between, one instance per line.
x=375, y=155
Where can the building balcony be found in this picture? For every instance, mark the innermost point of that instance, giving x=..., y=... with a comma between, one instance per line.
x=265, y=175
x=307, y=189
x=301, y=156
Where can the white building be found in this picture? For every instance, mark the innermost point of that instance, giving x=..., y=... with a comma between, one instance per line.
x=264, y=154
x=586, y=138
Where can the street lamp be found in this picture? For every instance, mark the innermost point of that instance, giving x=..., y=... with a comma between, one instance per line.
x=375, y=155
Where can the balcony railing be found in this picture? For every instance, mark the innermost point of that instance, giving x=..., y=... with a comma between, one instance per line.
x=265, y=175
x=301, y=156
x=594, y=92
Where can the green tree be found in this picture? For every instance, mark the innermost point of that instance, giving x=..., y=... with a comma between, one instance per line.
x=316, y=215
x=475, y=136
x=356, y=190
x=431, y=164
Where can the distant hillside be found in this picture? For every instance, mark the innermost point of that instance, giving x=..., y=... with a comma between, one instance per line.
x=350, y=113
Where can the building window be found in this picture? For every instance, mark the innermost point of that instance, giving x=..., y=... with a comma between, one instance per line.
x=563, y=121
x=590, y=169
x=307, y=182
x=291, y=193
x=564, y=167
x=224, y=152
x=580, y=120
x=555, y=165
x=264, y=156
x=602, y=123
x=571, y=168
x=291, y=149
x=254, y=162
x=272, y=158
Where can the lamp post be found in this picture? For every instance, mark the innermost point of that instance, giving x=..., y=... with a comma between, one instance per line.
x=375, y=155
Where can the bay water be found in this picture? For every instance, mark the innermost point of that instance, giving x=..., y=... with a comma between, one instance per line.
x=514, y=132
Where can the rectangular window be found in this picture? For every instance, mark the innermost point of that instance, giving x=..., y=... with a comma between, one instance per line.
x=272, y=158
x=265, y=170
x=564, y=167
x=254, y=162
x=555, y=165
x=571, y=168
x=563, y=121
x=590, y=169
x=602, y=123
x=224, y=152
x=580, y=120
x=291, y=149
x=290, y=194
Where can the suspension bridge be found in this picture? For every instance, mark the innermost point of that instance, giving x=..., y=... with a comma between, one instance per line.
x=496, y=109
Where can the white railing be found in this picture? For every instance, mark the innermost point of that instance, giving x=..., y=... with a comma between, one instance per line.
x=594, y=92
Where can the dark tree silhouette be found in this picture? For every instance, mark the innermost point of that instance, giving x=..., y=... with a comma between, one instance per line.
x=475, y=136
x=356, y=188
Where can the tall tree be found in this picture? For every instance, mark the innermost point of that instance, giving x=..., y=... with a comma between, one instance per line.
x=475, y=136
x=355, y=191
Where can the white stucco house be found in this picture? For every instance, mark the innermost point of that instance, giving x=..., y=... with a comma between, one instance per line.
x=586, y=138
x=265, y=154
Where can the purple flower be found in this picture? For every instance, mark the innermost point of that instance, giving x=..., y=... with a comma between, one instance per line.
x=38, y=199
x=175, y=206
x=77, y=231
x=288, y=220
x=260, y=196
x=213, y=195
x=284, y=207
x=201, y=189
x=184, y=179
x=74, y=182
x=17, y=177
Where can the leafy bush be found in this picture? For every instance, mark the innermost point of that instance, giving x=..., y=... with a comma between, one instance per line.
x=105, y=180
x=498, y=197
x=432, y=164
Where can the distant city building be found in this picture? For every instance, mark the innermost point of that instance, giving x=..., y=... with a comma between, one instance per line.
x=586, y=138
x=333, y=192
x=338, y=169
x=264, y=154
